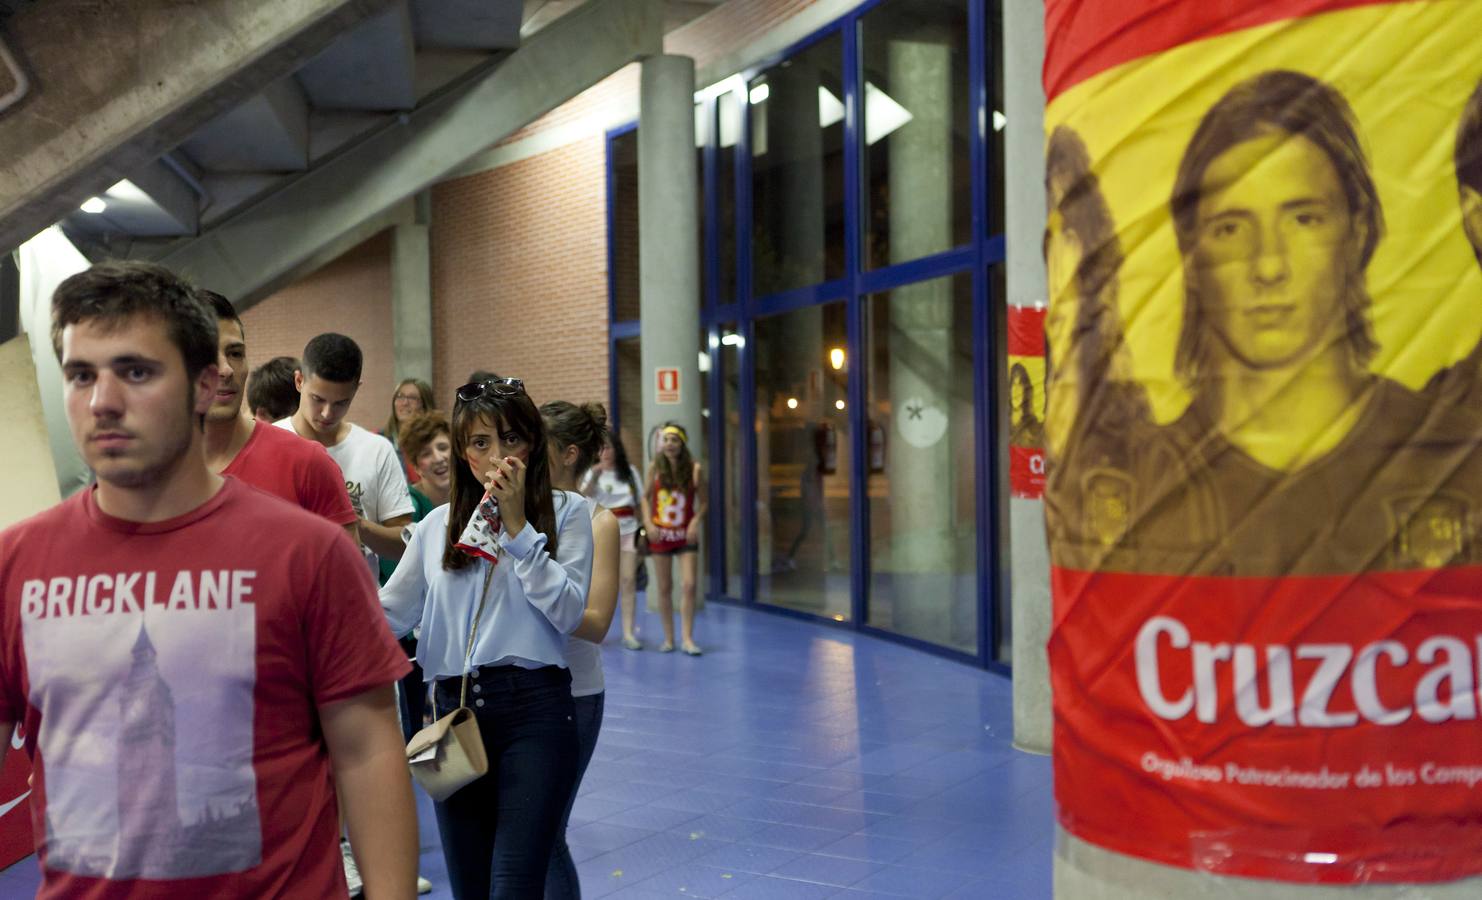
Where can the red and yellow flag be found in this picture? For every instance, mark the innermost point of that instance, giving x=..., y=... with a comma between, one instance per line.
x=1264, y=433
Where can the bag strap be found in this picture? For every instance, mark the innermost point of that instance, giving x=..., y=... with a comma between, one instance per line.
x=472, y=633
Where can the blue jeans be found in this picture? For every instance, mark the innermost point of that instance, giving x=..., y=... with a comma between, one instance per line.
x=561, y=882
x=497, y=833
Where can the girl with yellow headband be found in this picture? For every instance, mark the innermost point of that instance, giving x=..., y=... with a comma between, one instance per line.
x=676, y=492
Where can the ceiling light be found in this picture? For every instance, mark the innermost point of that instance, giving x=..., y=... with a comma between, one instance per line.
x=94, y=205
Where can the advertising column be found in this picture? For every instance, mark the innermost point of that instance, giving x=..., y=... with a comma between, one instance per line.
x=1264, y=437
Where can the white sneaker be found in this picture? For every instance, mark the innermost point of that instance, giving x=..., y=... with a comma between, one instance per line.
x=352, y=871
x=423, y=885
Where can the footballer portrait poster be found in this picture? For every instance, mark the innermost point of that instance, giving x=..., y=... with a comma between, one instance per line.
x=1263, y=433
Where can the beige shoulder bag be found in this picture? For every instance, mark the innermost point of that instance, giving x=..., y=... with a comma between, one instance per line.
x=449, y=753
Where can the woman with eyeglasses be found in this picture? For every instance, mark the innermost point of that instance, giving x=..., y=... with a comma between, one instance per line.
x=500, y=616
x=576, y=436
x=412, y=397
x=676, y=495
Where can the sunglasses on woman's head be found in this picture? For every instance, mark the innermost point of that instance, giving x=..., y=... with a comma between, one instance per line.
x=503, y=387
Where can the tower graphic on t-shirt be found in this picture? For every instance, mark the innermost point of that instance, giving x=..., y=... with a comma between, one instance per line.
x=149, y=832
x=146, y=735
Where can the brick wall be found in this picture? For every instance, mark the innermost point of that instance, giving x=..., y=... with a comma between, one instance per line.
x=519, y=255
x=519, y=274
x=352, y=296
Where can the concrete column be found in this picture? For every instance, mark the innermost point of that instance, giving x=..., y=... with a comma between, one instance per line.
x=1024, y=211
x=669, y=243
x=923, y=482
x=411, y=295
x=1087, y=872
x=1082, y=870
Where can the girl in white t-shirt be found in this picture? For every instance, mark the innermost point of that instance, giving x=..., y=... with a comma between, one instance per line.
x=575, y=436
x=614, y=483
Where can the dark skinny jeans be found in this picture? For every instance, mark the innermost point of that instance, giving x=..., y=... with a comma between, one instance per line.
x=498, y=832
x=561, y=881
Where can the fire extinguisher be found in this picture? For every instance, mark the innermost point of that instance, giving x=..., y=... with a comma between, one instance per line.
x=877, y=447
x=826, y=445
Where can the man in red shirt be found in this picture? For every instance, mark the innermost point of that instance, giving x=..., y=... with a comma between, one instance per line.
x=200, y=666
x=265, y=457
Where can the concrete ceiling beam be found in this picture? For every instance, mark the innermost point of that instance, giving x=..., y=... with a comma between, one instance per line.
x=294, y=222
x=267, y=133
x=372, y=67
x=115, y=85
x=468, y=24
x=178, y=204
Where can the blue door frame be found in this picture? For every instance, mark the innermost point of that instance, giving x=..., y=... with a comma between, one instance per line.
x=979, y=259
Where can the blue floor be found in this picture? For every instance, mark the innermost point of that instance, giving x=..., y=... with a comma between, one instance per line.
x=795, y=760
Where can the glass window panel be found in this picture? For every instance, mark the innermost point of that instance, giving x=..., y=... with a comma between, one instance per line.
x=729, y=358
x=797, y=153
x=802, y=438
x=997, y=124
x=1001, y=601
x=915, y=153
x=704, y=125
x=630, y=398
x=729, y=109
x=922, y=451
x=624, y=237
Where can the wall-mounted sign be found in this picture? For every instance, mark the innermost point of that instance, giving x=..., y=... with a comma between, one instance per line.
x=666, y=386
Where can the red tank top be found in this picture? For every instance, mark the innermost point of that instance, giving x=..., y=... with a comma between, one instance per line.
x=672, y=511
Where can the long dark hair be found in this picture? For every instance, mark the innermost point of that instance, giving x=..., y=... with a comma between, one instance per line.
x=1018, y=373
x=620, y=461
x=511, y=410
x=583, y=427
x=681, y=476
x=1074, y=193
x=1296, y=105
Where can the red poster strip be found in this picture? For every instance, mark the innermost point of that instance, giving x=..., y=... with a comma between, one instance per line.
x=1026, y=331
x=1086, y=37
x=1027, y=472
x=1305, y=729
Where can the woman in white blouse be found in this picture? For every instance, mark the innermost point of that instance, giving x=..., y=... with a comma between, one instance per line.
x=614, y=483
x=502, y=622
x=576, y=435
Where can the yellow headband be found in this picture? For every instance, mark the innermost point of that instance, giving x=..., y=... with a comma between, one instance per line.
x=677, y=432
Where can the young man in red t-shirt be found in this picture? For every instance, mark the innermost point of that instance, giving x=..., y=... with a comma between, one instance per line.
x=265, y=457
x=199, y=665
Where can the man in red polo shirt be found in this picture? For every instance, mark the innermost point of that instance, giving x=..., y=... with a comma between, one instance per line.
x=200, y=666
x=271, y=459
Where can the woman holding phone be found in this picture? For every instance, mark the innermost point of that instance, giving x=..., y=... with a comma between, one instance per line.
x=500, y=617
